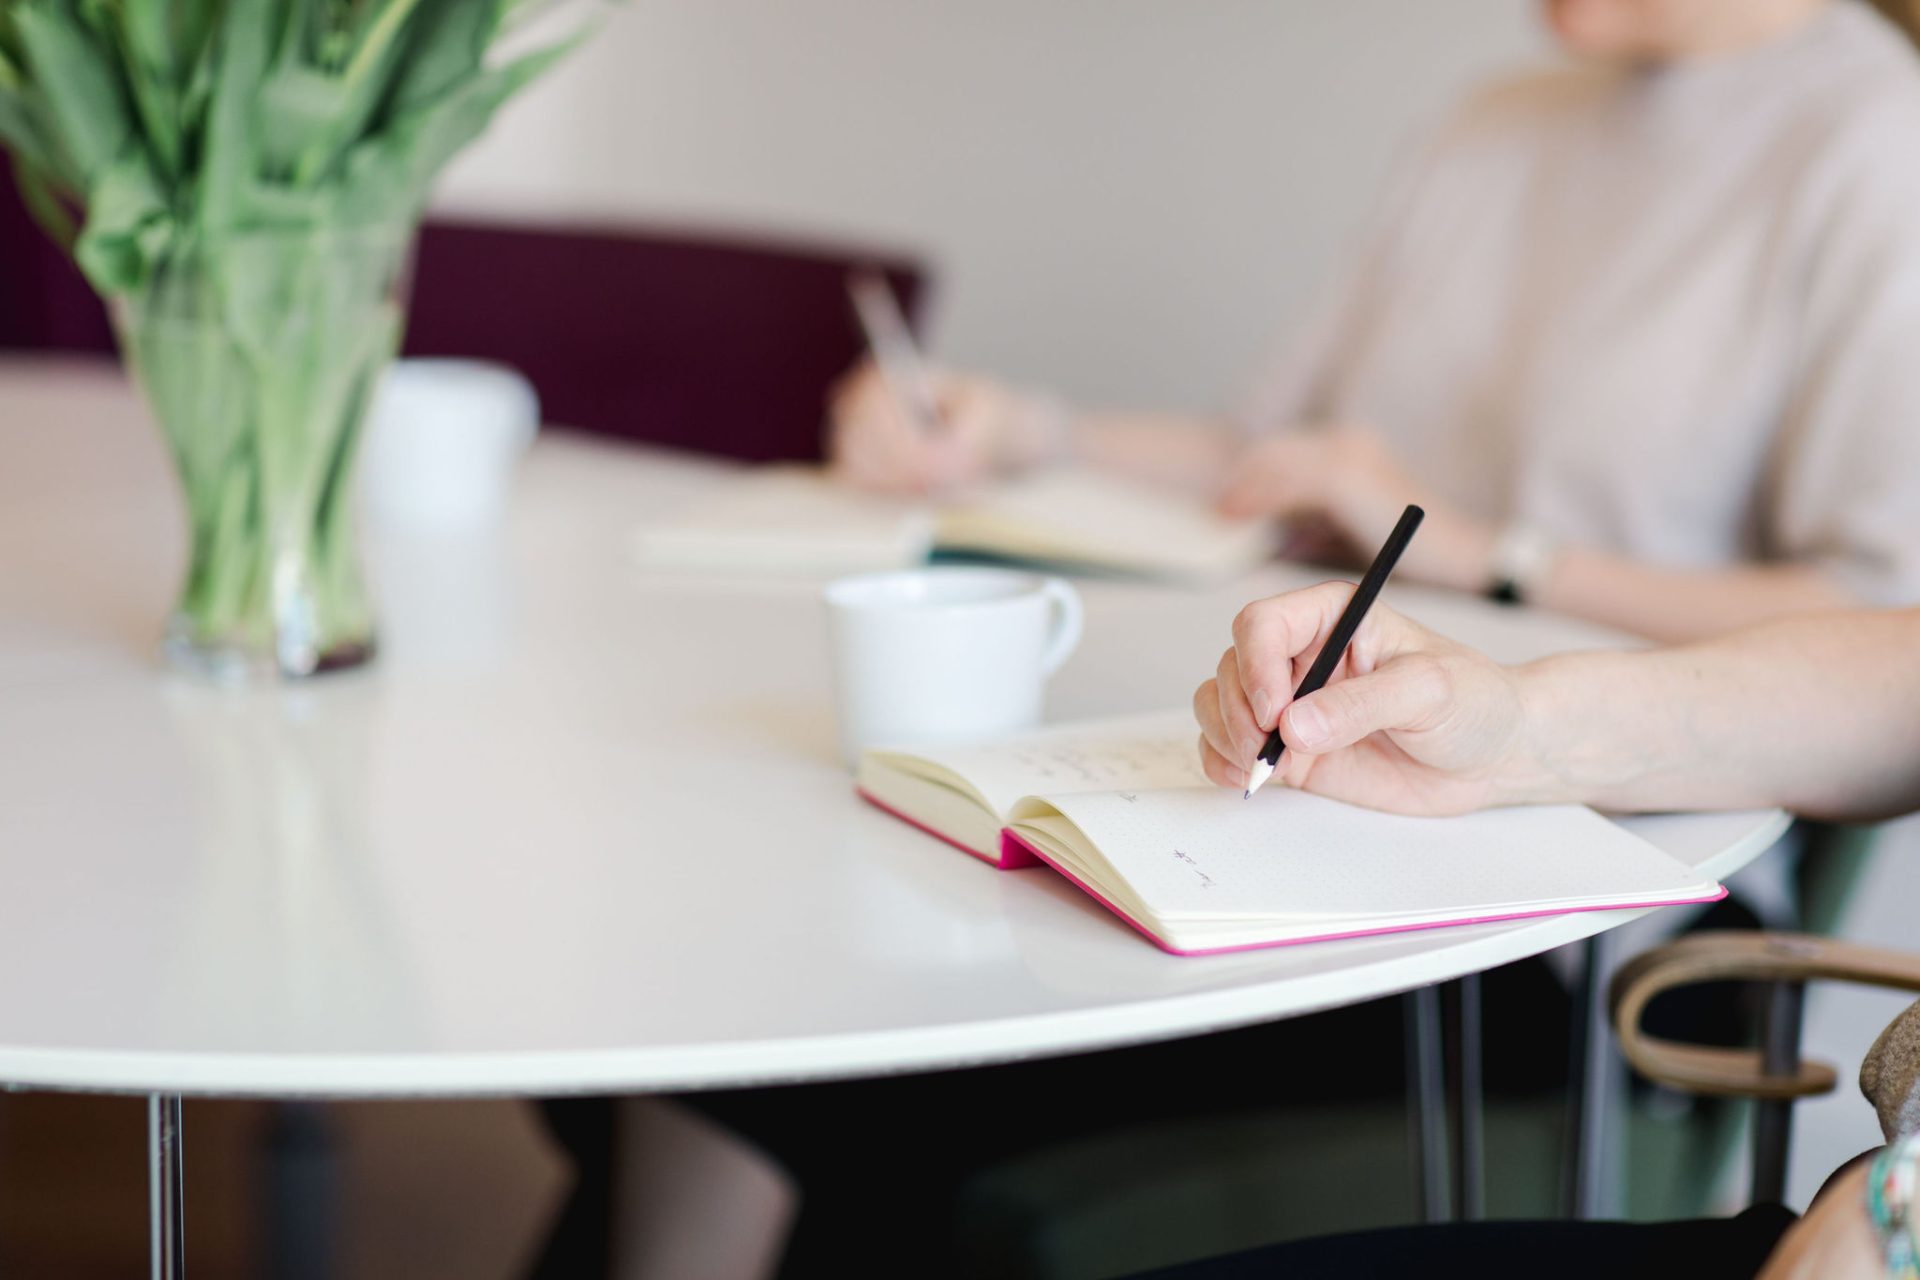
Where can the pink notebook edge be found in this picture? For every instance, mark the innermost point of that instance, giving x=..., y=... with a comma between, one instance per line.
x=1720, y=891
x=1013, y=853
x=1016, y=853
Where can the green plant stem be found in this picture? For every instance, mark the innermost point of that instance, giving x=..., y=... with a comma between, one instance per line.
x=264, y=422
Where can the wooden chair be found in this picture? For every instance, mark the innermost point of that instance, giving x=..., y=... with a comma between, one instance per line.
x=1773, y=1074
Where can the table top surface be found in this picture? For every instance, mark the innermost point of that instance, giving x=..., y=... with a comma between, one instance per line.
x=581, y=828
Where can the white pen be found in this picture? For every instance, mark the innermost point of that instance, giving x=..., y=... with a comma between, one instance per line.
x=893, y=348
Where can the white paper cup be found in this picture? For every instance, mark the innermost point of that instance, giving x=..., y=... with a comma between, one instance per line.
x=926, y=656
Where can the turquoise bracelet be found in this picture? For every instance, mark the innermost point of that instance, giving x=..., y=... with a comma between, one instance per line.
x=1890, y=1203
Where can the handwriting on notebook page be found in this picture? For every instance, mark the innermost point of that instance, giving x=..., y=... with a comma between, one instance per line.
x=1133, y=763
x=1206, y=881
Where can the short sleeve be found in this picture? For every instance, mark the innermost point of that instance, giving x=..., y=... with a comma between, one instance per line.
x=1845, y=483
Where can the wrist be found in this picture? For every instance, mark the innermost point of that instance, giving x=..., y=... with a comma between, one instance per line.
x=1517, y=562
x=1526, y=772
x=1561, y=753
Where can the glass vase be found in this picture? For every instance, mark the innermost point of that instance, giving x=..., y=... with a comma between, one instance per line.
x=259, y=355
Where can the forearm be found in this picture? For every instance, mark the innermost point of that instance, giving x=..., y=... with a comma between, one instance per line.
x=1186, y=452
x=1677, y=605
x=1819, y=714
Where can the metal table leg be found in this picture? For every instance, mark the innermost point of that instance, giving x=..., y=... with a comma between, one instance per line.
x=1427, y=1129
x=300, y=1177
x=1773, y=1118
x=166, y=1214
x=1591, y=1080
x=1465, y=1097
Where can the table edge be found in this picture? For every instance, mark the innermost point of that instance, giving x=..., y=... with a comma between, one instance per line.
x=797, y=1059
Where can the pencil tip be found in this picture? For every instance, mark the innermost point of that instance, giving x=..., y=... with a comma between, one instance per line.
x=1247, y=794
x=1257, y=777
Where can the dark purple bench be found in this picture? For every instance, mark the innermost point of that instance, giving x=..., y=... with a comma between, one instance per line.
x=726, y=345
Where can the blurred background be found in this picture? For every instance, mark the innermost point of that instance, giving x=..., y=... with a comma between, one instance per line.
x=1042, y=158
x=1036, y=162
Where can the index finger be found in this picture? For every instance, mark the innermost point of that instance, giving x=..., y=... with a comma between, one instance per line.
x=1269, y=634
x=1278, y=638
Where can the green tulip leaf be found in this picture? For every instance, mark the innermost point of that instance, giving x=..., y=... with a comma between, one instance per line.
x=180, y=127
x=128, y=226
x=79, y=84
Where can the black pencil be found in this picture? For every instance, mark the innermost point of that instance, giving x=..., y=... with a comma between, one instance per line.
x=1341, y=636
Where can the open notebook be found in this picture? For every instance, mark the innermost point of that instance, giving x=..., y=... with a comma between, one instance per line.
x=1121, y=809
x=796, y=519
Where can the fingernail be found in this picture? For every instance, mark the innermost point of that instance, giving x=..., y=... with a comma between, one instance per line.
x=1309, y=724
x=1262, y=707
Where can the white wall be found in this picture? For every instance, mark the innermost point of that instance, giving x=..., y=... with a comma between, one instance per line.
x=1125, y=198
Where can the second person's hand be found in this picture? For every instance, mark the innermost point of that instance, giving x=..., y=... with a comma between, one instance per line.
x=1346, y=483
x=985, y=429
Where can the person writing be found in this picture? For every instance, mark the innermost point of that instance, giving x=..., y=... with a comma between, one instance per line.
x=1819, y=714
x=1635, y=331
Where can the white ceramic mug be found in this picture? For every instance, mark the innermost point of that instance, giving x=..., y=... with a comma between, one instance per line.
x=924, y=656
x=442, y=440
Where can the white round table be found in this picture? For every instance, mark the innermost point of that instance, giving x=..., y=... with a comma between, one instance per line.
x=580, y=829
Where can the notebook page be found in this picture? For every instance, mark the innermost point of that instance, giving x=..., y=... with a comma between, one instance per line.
x=1211, y=855
x=788, y=519
x=1129, y=754
x=1077, y=515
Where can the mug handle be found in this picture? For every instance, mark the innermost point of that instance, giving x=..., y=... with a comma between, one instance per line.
x=1068, y=622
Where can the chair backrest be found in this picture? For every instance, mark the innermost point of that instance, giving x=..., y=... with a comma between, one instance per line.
x=725, y=345
x=1774, y=1074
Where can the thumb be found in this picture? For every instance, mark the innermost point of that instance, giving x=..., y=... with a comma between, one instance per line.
x=1410, y=692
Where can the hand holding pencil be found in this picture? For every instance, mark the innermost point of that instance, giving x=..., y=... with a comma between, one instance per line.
x=1334, y=647
x=1407, y=720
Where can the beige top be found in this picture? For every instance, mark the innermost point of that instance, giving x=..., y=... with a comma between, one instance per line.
x=1672, y=312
